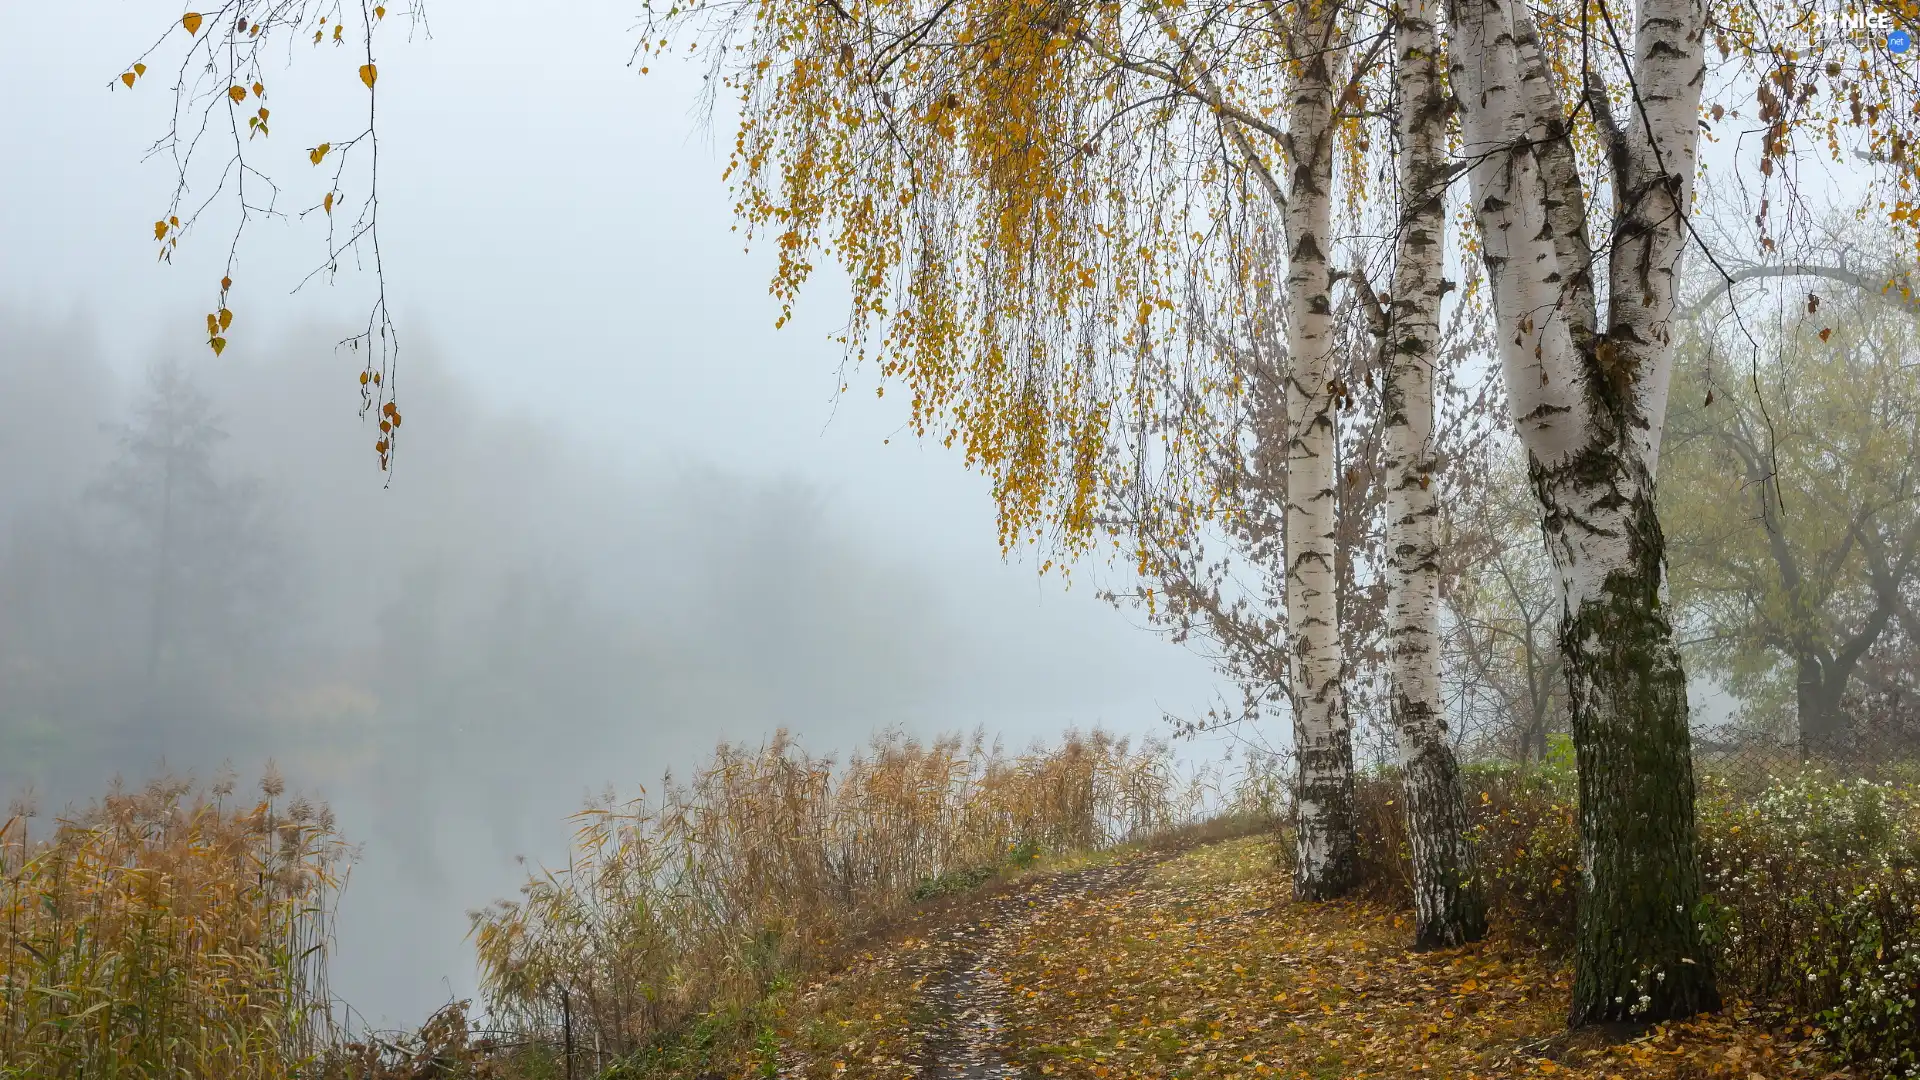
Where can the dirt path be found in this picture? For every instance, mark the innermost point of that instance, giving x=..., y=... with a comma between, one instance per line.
x=964, y=994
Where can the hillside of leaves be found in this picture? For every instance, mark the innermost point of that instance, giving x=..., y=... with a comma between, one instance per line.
x=1193, y=960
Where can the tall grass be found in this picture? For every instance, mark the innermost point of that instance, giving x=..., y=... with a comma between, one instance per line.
x=766, y=859
x=169, y=932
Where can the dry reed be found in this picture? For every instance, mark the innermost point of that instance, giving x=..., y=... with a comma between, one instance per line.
x=168, y=933
x=700, y=899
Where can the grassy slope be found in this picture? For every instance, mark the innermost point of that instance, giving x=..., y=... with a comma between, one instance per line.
x=1200, y=966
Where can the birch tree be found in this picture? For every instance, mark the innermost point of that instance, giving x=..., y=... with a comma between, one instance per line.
x=1585, y=334
x=218, y=134
x=1589, y=398
x=1448, y=906
x=1069, y=206
x=1323, y=742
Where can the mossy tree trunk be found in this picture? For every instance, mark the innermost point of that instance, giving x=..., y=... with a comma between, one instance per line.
x=1639, y=953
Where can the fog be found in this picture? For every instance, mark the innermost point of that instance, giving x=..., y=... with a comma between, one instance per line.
x=629, y=518
x=457, y=661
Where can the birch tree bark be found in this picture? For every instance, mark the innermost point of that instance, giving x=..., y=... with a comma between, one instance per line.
x=1448, y=905
x=1323, y=744
x=1589, y=405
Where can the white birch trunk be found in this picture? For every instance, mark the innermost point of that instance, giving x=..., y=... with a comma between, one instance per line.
x=1589, y=407
x=1661, y=139
x=1448, y=905
x=1323, y=746
x=1504, y=183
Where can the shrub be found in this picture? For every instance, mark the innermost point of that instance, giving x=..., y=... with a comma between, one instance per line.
x=1019, y=854
x=1874, y=1022
x=446, y=1047
x=1816, y=905
x=955, y=881
x=1525, y=826
x=1383, y=860
x=167, y=933
x=696, y=902
x=1520, y=819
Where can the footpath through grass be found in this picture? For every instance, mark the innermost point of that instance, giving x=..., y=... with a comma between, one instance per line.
x=1199, y=965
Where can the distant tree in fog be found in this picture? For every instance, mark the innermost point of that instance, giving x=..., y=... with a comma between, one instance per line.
x=189, y=546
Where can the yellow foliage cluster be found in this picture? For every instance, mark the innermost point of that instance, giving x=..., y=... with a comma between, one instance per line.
x=1025, y=227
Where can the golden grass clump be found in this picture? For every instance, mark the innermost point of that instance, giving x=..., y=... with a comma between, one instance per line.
x=702, y=898
x=169, y=932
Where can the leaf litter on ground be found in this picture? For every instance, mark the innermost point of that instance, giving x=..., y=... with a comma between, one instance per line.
x=1199, y=964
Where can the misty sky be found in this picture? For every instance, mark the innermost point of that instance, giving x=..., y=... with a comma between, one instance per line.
x=608, y=441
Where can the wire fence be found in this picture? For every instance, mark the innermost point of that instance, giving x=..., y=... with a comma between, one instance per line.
x=1872, y=735
x=1871, y=743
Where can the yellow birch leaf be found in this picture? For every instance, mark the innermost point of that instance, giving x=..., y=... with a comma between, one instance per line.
x=226, y=318
x=380, y=12
x=226, y=283
x=368, y=73
x=237, y=93
x=327, y=203
x=159, y=230
x=259, y=90
x=127, y=78
x=191, y=20
x=139, y=69
x=319, y=152
x=218, y=344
